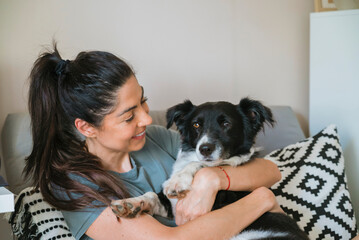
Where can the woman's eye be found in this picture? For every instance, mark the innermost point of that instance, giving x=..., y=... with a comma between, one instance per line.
x=130, y=118
x=196, y=125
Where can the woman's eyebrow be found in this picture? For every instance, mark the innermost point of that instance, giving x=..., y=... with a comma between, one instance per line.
x=133, y=107
x=127, y=110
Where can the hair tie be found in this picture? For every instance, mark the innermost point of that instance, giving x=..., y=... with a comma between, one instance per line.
x=60, y=67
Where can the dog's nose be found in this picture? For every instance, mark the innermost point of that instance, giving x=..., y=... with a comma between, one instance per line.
x=207, y=149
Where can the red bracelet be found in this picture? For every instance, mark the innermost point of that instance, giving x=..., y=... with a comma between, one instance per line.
x=229, y=180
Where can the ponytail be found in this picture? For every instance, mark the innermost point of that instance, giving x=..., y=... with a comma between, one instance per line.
x=43, y=107
x=56, y=99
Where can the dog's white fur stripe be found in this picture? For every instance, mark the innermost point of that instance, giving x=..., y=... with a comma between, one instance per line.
x=257, y=234
x=205, y=139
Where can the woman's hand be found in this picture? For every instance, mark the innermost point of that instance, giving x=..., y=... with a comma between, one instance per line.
x=208, y=181
x=268, y=198
x=200, y=199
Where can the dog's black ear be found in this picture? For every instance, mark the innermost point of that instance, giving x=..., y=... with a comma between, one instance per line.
x=257, y=113
x=176, y=113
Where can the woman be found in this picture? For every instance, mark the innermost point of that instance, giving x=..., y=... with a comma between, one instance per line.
x=98, y=96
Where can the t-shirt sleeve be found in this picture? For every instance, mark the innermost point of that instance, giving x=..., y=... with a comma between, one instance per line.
x=168, y=139
x=80, y=221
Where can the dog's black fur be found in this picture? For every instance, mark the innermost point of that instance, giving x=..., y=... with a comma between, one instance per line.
x=231, y=130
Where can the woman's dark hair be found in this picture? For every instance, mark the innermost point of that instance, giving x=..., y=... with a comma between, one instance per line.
x=61, y=91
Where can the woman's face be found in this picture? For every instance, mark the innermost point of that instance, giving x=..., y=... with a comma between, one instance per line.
x=123, y=130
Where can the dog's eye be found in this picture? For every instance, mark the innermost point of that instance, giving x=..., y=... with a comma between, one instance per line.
x=226, y=124
x=196, y=125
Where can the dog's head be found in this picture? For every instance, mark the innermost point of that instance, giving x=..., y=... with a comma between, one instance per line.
x=219, y=130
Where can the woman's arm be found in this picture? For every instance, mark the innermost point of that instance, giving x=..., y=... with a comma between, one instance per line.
x=213, y=225
x=247, y=177
x=208, y=181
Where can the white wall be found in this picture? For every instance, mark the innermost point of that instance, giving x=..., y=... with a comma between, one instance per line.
x=204, y=50
x=272, y=52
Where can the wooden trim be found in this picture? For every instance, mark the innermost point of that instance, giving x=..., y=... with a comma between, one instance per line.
x=318, y=6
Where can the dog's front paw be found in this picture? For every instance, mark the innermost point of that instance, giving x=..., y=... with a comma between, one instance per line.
x=128, y=208
x=178, y=185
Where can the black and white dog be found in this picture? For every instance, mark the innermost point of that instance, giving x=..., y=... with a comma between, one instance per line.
x=213, y=134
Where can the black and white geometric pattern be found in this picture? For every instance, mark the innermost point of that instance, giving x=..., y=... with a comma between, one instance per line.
x=313, y=189
x=34, y=218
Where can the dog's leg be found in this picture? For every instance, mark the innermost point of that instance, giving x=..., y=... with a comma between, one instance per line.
x=133, y=207
x=180, y=182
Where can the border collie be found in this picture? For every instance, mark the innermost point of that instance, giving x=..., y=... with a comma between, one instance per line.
x=213, y=134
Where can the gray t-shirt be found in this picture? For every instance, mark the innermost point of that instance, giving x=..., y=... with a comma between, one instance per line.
x=152, y=165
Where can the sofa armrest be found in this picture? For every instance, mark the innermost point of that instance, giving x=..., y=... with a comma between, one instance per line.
x=16, y=144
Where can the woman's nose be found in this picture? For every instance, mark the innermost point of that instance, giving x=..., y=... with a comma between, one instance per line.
x=145, y=120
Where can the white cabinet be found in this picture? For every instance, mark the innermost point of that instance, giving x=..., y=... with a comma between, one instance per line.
x=334, y=84
x=6, y=200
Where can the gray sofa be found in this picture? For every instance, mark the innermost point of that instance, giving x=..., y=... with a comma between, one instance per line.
x=316, y=195
x=17, y=141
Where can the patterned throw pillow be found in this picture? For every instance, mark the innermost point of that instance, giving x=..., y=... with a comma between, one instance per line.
x=313, y=189
x=34, y=218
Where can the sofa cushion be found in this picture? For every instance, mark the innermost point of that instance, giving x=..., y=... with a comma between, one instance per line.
x=313, y=189
x=285, y=131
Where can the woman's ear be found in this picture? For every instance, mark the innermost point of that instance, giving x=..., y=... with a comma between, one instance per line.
x=85, y=128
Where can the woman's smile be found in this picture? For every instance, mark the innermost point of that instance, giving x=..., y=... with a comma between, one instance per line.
x=140, y=136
